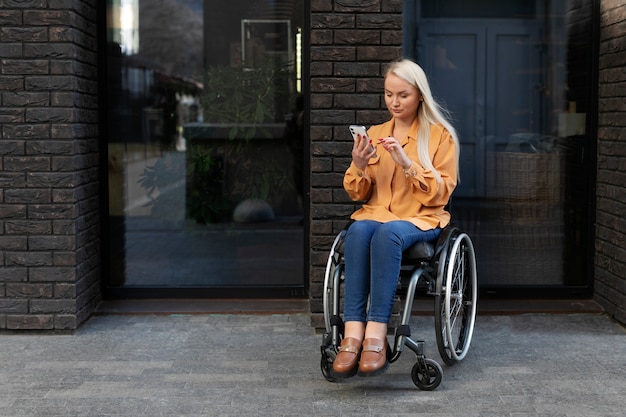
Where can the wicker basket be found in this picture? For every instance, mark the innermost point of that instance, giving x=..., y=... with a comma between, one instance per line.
x=538, y=177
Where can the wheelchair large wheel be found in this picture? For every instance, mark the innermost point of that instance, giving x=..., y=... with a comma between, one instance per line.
x=456, y=299
x=332, y=278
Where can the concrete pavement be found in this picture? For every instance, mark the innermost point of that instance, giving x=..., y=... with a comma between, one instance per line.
x=530, y=365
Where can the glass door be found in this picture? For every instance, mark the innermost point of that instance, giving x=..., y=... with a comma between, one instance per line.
x=205, y=147
x=517, y=78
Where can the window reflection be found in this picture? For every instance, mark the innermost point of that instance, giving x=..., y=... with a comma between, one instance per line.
x=516, y=77
x=204, y=144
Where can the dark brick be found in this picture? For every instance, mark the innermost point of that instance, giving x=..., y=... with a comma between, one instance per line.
x=26, y=163
x=8, y=115
x=29, y=290
x=322, y=101
x=50, y=179
x=321, y=37
x=25, y=131
x=38, y=306
x=322, y=5
x=321, y=69
x=56, y=147
x=53, y=243
x=49, y=17
x=64, y=196
x=333, y=117
x=65, y=322
x=333, y=54
x=333, y=85
x=13, y=306
x=25, y=67
x=391, y=37
x=63, y=227
x=52, y=211
x=12, y=211
x=28, y=227
x=361, y=101
x=24, y=4
x=64, y=258
x=392, y=6
x=332, y=21
x=360, y=6
x=11, y=147
x=23, y=34
x=51, y=50
x=356, y=37
x=358, y=69
x=64, y=290
x=370, y=85
x=50, y=83
x=29, y=196
x=10, y=18
x=49, y=115
x=10, y=50
x=52, y=274
x=30, y=322
x=30, y=259
x=379, y=21
x=12, y=180
x=11, y=83
x=13, y=243
x=26, y=99
x=8, y=274
x=73, y=99
x=378, y=53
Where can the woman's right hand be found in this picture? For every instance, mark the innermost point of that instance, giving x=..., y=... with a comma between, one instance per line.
x=362, y=151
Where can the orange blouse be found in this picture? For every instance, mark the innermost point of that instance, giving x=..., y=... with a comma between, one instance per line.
x=414, y=195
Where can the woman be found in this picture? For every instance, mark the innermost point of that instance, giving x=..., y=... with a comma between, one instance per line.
x=406, y=180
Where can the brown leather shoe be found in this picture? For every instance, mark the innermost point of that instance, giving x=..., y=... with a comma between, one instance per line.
x=373, y=357
x=345, y=364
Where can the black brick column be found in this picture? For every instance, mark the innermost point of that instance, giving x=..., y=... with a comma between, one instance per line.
x=351, y=41
x=610, y=262
x=49, y=218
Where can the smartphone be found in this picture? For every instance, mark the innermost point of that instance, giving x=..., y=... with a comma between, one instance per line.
x=361, y=130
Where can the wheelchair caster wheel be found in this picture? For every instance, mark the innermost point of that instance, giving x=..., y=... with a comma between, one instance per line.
x=426, y=374
x=326, y=364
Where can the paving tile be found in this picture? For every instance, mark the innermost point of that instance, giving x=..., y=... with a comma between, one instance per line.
x=535, y=365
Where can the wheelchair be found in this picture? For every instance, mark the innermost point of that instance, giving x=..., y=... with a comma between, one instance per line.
x=444, y=268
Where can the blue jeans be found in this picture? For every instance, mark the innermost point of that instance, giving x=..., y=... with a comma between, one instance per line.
x=373, y=252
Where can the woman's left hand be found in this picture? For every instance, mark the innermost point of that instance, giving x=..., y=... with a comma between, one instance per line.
x=391, y=145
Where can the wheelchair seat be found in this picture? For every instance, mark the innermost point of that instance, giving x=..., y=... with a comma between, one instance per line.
x=418, y=251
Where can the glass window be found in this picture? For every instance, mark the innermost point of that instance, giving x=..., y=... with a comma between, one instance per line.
x=517, y=79
x=204, y=144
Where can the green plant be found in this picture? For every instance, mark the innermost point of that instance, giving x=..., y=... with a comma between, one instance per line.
x=246, y=98
x=206, y=202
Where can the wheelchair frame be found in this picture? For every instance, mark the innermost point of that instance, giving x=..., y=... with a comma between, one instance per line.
x=445, y=269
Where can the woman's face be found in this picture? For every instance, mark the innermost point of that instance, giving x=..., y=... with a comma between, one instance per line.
x=401, y=98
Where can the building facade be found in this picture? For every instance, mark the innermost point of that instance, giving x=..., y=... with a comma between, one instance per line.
x=54, y=243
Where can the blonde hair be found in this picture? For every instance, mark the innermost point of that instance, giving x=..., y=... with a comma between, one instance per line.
x=428, y=113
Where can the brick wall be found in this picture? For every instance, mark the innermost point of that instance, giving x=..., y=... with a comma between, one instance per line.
x=610, y=263
x=49, y=191
x=351, y=41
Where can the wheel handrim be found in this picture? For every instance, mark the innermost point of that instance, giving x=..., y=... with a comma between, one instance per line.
x=460, y=308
